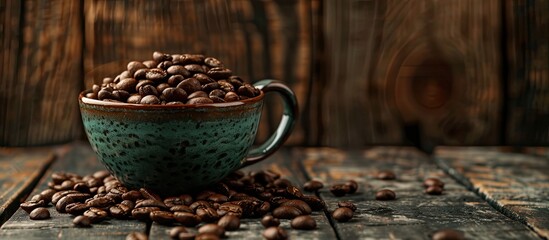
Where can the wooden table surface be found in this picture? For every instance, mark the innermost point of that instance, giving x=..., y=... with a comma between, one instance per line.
x=490, y=193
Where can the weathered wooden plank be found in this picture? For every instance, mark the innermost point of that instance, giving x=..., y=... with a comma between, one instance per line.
x=79, y=159
x=41, y=71
x=397, y=68
x=256, y=39
x=414, y=214
x=20, y=170
x=528, y=72
x=516, y=184
x=289, y=168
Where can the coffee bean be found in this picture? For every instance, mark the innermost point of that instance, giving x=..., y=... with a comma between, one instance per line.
x=174, y=94
x=433, y=182
x=150, y=203
x=200, y=100
x=150, y=99
x=448, y=234
x=148, y=90
x=206, y=236
x=212, y=228
x=128, y=203
x=299, y=204
x=141, y=74
x=343, y=214
x=347, y=204
x=312, y=186
x=190, y=85
x=39, y=214
x=31, y=205
x=233, y=209
x=119, y=211
x=304, y=222
x=219, y=73
x=194, y=68
x=210, y=86
x=96, y=214
x=156, y=74
x=47, y=194
x=385, y=194
x=61, y=205
x=200, y=204
x=207, y=214
x=136, y=236
x=58, y=195
x=246, y=90
x=269, y=221
x=353, y=186
x=203, y=78
x=159, y=56
x=162, y=217
x=132, y=195
x=178, y=70
x=76, y=208
x=81, y=187
x=229, y=222
x=174, y=232
x=386, y=175
x=164, y=65
x=133, y=66
x=100, y=202
x=186, y=219
x=434, y=190
x=286, y=212
x=339, y=190
x=143, y=213
x=275, y=233
x=314, y=202
x=81, y=221
x=181, y=208
x=213, y=62
x=161, y=87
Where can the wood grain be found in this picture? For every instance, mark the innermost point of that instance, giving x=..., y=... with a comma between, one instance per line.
x=414, y=214
x=41, y=71
x=20, y=170
x=516, y=184
x=528, y=72
x=79, y=159
x=256, y=39
x=429, y=65
x=289, y=168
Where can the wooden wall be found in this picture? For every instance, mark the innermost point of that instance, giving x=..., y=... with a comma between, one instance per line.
x=366, y=72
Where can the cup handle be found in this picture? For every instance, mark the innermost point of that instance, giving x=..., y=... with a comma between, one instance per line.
x=284, y=127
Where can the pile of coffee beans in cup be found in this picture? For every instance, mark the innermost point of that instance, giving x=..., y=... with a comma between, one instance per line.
x=207, y=214
x=174, y=79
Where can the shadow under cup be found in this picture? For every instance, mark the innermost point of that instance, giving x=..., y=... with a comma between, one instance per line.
x=174, y=149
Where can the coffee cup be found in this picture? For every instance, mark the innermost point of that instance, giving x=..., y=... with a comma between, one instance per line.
x=173, y=149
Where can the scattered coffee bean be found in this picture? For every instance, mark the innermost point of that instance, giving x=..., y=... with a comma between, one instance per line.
x=339, y=190
x=275, y=233
x=314, y=202
x=305, y=222
x=343, y=214
x=212, y=228
x=270, y=221
x=31, y=205
x=299, y=204
x=433, y=182
x=448, y=234
x=176, y=231
x=286, y=212
x=96, y=214
x=385, y=194
x=162, y=217
x=347, y=204
x=40, y=213
x=187, y=219
x=386, y=175
x=229, y=222
x=137, y=236
x=81, y=221
x=312, y=186
x=434, y=190
x=352, y=185
x=206, y=236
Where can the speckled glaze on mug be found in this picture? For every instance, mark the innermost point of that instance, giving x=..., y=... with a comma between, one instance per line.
x=173, y=149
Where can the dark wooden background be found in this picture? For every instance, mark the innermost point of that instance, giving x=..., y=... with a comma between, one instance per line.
x=366, y=72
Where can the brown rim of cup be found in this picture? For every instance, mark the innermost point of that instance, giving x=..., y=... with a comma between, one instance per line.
x=91, y=101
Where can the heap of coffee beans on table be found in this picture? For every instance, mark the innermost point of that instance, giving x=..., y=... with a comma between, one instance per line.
x=174, y=79
x=262, y=194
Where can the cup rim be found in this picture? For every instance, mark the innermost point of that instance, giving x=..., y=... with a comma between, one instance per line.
x=90, y=101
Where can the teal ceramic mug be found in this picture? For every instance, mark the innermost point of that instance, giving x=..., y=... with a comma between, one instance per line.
x=172, y=149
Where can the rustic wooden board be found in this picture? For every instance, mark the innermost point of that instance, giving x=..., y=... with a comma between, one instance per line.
x=41, y=71
x=395, y=68
x=79, y=159
x=20, y=170
x=256, y=39
x=516, y=184
x=414, y=214
x=528, y=72
x=282, y=163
